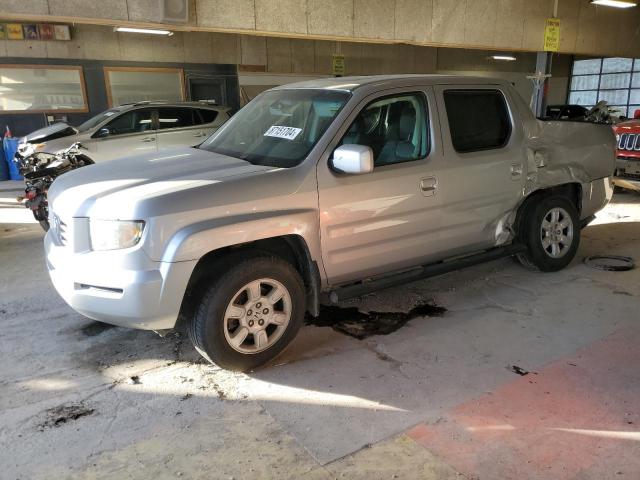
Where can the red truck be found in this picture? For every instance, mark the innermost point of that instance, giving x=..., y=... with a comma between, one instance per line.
x=627, y=174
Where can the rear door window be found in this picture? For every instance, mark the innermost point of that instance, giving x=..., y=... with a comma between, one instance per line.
x=205, y=116
x=133, y=121
x=175, y=117
x=478, y=119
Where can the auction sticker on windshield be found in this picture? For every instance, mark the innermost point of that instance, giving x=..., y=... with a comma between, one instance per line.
x=288, y=133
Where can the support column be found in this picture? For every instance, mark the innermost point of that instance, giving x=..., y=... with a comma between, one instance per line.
x=543, y=67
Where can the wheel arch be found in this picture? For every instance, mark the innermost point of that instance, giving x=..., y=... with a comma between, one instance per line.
x=572, y=190
x=292, y=248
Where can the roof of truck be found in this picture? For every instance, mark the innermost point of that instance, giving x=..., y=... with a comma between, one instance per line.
x=352, y=83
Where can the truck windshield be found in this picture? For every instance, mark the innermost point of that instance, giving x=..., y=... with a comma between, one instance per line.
x=278, y=128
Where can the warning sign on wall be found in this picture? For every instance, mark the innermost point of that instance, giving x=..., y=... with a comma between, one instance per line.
x=552, y=35
x=338, y=66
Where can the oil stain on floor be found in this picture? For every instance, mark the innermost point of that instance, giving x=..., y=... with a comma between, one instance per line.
x=58, y=416
x=95, y=328
x=360, y=325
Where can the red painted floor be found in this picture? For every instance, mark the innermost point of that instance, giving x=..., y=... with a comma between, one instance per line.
x=577, y=418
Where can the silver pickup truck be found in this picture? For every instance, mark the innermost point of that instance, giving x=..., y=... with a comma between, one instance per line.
x=321, y=191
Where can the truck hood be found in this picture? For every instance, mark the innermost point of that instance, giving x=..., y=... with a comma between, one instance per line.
x=57, y=130
x=118, y=189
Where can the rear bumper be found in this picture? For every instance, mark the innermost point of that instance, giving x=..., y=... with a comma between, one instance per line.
x=595, y=196
x=104, y=286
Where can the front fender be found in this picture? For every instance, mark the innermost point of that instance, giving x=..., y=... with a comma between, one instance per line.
x=194, y=241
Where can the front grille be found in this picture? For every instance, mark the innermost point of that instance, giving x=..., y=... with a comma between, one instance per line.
x=62, y=232
x=60, y=229
x=629, y=142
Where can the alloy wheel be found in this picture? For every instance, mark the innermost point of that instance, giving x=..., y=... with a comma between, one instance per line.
x=556, y=232
x=257, y=316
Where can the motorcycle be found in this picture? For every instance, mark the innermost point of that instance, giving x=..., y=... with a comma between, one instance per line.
x=40, y=169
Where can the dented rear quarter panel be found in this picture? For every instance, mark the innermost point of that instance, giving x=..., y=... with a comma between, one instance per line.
x=569, y=152
x=563, y=152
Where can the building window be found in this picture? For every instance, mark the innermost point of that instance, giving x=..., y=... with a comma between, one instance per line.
x=614, y=80
x=131, y=84
x=42, y=88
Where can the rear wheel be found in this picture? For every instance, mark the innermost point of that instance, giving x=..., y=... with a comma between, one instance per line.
x=551, y=232
x=250, y=313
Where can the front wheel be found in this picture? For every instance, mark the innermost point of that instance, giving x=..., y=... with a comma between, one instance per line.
x=551, y=232
x=250, y=313
x=42, y=217
x=44, y=224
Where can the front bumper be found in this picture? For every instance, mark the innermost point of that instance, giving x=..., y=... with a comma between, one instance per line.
x=123, y=288
x=628, y=183
x=627, y=173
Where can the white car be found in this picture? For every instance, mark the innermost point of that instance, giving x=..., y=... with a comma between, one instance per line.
x=132, y=129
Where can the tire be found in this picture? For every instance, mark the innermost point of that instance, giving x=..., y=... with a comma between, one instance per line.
x=227, y=324
x=551, y=233
x=44, y=224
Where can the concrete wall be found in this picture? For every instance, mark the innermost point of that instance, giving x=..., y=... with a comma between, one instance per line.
x=489, y=24
x=266, y=61
x=93, y=42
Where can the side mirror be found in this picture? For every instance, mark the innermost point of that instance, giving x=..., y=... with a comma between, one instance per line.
x=636, y=114
x=103, y=132
x=353, y=159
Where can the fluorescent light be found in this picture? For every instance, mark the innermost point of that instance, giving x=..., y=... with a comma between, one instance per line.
x=615, y=3
x=506, y=58
x=143, y=30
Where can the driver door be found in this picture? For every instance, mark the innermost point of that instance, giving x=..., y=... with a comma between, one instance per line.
x=388, y=219
x=130, y=133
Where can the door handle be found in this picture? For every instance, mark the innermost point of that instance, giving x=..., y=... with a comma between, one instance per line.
x=200, y=134
x=149, y=139
x=429, y=186
x=516, y=170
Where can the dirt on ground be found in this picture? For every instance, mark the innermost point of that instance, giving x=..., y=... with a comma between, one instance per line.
x=82, y=399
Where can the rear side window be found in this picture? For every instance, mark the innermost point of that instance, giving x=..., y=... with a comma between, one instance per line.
x=171, y=117
x=134, y=121
x=478, y=119
x=205, y=116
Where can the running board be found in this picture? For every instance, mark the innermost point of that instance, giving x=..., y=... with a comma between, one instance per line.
x=425, y=271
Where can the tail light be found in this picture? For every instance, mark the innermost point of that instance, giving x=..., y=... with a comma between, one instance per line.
x=31, y=194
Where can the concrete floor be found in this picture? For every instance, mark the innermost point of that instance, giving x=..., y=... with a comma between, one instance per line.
x=434, y=400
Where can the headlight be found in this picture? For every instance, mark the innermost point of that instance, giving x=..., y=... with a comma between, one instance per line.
x=115, y=234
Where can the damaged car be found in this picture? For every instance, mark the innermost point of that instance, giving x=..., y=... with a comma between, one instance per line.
x=627, y=173
x=131, y=129
x=317, y=192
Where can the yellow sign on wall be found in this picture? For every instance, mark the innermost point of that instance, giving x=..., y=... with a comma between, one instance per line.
x=552, y=35
x=338, y=65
